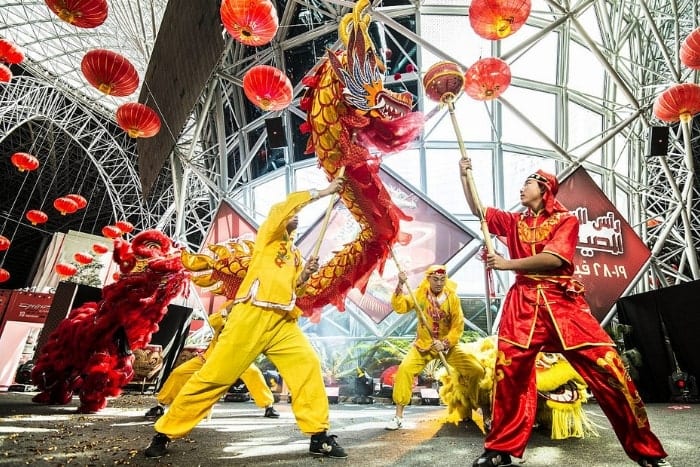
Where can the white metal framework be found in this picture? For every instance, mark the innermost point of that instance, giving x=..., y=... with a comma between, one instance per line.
x=585, y=75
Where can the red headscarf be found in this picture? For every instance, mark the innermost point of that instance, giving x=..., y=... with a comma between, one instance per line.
x=551, y=186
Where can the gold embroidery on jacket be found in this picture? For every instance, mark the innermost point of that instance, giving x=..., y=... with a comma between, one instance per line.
x=537, y=233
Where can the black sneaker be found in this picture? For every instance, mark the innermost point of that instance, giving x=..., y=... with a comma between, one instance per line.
x=270, y=412
x=653, y=462
x=158, y=446
x=155, y=412
x=325, y=445
x=492, y=459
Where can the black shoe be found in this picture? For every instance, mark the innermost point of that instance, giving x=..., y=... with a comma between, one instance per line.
x=325, y=445
x=155, y=412
x=492, y=459
x=270, y=412
x=653, y=462
x=158, y=446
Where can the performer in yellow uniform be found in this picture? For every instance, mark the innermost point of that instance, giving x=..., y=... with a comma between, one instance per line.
x=263, y=320
x=252, y=377
x=442, y=314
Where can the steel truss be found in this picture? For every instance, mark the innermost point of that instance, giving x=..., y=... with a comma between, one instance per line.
x=635, y=42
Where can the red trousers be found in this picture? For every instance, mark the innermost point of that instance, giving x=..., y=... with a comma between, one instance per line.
x=515, y=393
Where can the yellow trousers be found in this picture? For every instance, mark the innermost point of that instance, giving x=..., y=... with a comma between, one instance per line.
x=252, y=378
x=414, y=362
x=250, y=331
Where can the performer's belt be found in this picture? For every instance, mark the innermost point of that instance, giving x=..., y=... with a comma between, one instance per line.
x=570, y=286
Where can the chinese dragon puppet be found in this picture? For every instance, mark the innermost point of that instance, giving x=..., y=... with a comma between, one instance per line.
x=90, y=353
x=349, y=114
x=561, y=393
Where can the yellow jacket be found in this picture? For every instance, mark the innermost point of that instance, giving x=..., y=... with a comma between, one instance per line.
x=276, y=263
x=450, y=320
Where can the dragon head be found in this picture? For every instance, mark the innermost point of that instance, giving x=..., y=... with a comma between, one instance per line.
x=362, y=72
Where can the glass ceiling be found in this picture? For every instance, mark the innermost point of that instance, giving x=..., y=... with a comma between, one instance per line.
x=585, y=75
x=55, y=48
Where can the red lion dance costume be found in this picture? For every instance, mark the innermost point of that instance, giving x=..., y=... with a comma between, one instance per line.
x=90, y=352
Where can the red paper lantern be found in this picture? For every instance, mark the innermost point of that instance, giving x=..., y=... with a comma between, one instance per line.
x=267, y=87
x=109, y=72
x=443, y=81
x=4, y=275
x=82, y=258
x=80, y=13
x=65, y=205
x=138, y=120
x=251, y=22
x=111, y=231
x=5, y=74
x=65, y=269
x=487, y=79
x=24, y=161
x=124, y=226
x=690, y=50
x=679, y=102
x=99, y=249
x=79, y=200
x=498, y=19
x=4, y=243
x=37, y=217
x=10, y=53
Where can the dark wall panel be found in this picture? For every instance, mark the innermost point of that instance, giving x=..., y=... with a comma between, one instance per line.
x=676, y=307
x=189, y=45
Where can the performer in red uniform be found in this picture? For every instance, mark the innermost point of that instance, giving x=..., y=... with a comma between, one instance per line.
x=545, y=311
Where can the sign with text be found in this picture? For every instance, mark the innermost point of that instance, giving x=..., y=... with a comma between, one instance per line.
x=609, y=253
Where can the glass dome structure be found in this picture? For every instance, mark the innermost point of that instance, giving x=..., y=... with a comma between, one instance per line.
x=585, y=75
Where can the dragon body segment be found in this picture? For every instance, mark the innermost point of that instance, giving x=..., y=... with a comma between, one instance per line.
x=349, y=113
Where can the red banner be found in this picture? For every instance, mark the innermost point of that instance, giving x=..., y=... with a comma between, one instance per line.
x=609, y=253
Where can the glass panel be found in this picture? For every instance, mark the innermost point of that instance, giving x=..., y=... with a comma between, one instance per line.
x=538, y=108
x=441, y=32
x=406, y=165
x=585, y=71
x=539, y=61
x=443, y=181
x=585, y=126
x=516, y=168
x=472, y=116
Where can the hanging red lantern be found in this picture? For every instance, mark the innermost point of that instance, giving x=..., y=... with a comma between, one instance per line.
x=487, y=79
x=111, y=231
x=251, y=22
x=99, y=249
x=138, y=120
x=4, y=275
x=10, y=53
x=65, y=205
x=679, y=102
x=37, y=217
x=83, y=258
x=65, y=269
x=5, y=74
x=4, y=243
x=267, y=87
x=443, y=81
x=690, y=50
x=498, y=19
x=124, y=226
x=24, y=161
x=109, y=72
x=80, y=13
x=79, y=200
